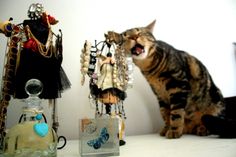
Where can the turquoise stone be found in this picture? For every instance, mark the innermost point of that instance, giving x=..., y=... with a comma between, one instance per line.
x=39, y=116
x=41, y=129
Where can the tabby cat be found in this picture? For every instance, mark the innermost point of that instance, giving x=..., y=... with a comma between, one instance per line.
x=180, y=81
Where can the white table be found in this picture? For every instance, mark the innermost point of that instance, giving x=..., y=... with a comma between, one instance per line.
x=155, y=146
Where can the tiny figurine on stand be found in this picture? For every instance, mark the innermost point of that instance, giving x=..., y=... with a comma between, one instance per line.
x=110, y=72
x=32, y=53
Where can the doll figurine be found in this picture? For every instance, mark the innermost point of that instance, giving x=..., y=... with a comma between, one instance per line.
x=108, y=84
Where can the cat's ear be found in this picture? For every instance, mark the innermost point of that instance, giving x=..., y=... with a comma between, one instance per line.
x=150, y=27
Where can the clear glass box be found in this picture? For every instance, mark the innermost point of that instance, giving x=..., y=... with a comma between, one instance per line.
x=99, y=137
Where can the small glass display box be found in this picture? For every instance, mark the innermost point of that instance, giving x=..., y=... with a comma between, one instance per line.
x=99, y=137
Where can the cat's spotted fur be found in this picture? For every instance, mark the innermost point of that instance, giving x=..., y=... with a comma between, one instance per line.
x=182, y=84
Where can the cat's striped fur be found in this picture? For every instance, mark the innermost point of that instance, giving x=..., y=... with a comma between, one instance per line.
x=182, y=84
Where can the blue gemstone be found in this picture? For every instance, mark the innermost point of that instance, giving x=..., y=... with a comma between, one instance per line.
x=39, y=116
x=9, y=27
x=41, y=129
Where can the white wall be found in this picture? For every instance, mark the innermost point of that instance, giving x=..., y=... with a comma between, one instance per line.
x=204, y=28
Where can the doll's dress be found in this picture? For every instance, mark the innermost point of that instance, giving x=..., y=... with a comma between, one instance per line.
x=105, y=80
x=107, y=92
x=32, y=64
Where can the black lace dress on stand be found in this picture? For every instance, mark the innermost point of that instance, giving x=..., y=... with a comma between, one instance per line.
x=32, y=64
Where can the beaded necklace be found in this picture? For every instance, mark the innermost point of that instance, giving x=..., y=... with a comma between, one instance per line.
x=43, y=48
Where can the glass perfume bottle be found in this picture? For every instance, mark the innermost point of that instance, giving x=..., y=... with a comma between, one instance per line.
x=31, y=137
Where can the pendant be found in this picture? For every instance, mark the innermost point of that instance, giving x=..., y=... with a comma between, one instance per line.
x=41, y=129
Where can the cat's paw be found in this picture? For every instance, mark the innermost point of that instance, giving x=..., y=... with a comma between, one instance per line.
x=174, y=133
x=164, y=131
x=202, y=131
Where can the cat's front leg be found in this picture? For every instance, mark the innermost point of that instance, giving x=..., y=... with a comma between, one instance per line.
x=165, y=113
x=178, y=102
x=176, y=124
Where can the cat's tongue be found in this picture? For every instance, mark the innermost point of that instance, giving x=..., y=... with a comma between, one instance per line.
x=139, y=50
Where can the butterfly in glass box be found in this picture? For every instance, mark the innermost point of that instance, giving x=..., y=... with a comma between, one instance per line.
x=103, y=138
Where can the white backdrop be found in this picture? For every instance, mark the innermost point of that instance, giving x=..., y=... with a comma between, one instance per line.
x=204, y=28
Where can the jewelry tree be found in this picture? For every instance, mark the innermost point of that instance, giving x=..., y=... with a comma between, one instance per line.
x=33, y=52
x=110, y=72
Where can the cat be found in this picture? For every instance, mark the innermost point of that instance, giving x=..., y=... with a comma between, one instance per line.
x=182, y=84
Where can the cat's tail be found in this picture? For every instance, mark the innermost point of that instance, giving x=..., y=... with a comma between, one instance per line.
x=225, y=128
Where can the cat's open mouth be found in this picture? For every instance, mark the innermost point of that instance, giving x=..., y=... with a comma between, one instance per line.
x=137, y=49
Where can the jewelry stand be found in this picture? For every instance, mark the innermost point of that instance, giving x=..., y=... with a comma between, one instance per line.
x=110, y=72
x=29, y=47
